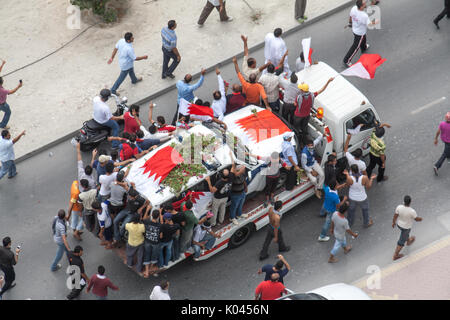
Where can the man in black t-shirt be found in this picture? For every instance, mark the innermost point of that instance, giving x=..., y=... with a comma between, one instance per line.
x=221, y=192
x=135, y=205
x=180, y=219
x=77, y=272
x=152, y=238
x=168, y=230
x=7, y=262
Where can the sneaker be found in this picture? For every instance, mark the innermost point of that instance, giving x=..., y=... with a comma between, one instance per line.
x=244, y=215
x=199, y=25
x=367, y=46
x=229, y=19
x=435, y=170
x=196, y=259
x=235, y=221
x=348, y=64
x=323, y=239
x=58, y=266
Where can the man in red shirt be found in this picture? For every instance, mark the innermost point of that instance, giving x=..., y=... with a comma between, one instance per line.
x=131, y=119
x=270, y=289
x=99, y=284
x=304, y=103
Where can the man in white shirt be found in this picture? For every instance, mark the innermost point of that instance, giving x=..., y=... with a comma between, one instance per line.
x=161, y=292
x=106, y=180
x=103, y=115
x=219, y=104
x=359, y=21
x=355, y=157
x=7, y=155
x=275, y=48
x=404, y=217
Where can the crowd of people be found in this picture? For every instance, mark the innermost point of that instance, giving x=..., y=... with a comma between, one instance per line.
x=104, y=202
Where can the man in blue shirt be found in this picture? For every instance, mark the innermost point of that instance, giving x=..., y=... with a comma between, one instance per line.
x=269, y=269
x=290, y=161
x=126, y=61
x=7, y=156
x=186, y=90
x=330, y=205
x=169, y=48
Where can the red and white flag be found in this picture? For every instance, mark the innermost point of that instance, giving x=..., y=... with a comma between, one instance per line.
x=200, y=201
x=186, y=108
x=365, y=67
x=161, y=163
x=306, y=45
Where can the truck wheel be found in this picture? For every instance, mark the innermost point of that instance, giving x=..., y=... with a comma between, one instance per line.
x=241, y=236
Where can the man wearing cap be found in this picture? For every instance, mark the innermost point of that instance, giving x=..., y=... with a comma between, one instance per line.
x=444, y=132
x=204, y=238
x=305, y=101
x=289, y=160
x=103, y=115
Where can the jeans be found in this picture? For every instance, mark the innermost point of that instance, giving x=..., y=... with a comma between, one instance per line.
x=365, y=211
x=124, y=215
x=237, y=202
x=77, y=221
x=210, y=240
x=114, y=131
x=8, y=167
x=175, y=248
x=164, y=257
x=374, y=161
x=148, y=143
x=338, y=244
x=445, y=154
x=327, y=223
x=7, y=110
x=59, y=254
x=167, y=55
x=131, y=252
x=151, y=253
x=123, y=74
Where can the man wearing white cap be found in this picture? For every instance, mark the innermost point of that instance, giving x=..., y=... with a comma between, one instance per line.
x=289, y=160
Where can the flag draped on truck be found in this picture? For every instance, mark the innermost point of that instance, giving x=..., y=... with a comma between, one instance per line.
x=161, y=163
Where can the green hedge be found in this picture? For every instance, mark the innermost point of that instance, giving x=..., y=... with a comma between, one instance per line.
x=98, y=8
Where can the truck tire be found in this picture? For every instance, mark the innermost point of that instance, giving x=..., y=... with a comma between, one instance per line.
x=241, y=236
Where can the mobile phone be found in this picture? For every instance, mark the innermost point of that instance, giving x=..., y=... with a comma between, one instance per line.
x=19, y=247
x=20, y=80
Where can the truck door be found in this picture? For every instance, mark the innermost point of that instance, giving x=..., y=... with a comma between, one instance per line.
x=360, y=127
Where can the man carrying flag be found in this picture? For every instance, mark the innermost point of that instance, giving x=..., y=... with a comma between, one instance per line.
x=359, y=21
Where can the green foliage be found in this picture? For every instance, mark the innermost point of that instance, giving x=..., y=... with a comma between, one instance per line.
x=98, y=8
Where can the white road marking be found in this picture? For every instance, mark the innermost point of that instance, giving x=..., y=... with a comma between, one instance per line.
x=429, y=105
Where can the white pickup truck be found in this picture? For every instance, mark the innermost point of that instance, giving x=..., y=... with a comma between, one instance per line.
x=343, y=106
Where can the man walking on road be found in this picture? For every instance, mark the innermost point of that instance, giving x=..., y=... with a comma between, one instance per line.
x=60, y=238
x=7, y=155
x=3, y=105
x=274, y=231
x=404, y=217
x=269, y=269
x=126, y=61
x=357, y=194
x=7, y=262
x=169, y=48
x=446, y=11
x=444, y=132
x=359, y=21
x=209, y=7
x=99, y=284
x=78, y=270
x=340, y=226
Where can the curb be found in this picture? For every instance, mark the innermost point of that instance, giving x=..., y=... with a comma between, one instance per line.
x=194, y=76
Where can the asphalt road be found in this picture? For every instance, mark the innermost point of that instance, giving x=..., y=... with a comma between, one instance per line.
x=415, y=75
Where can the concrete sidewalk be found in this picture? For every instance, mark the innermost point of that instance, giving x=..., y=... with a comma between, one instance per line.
x=57, y=94
x=421, y=275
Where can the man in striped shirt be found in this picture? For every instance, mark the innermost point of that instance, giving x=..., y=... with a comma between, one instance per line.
x=169, y=48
